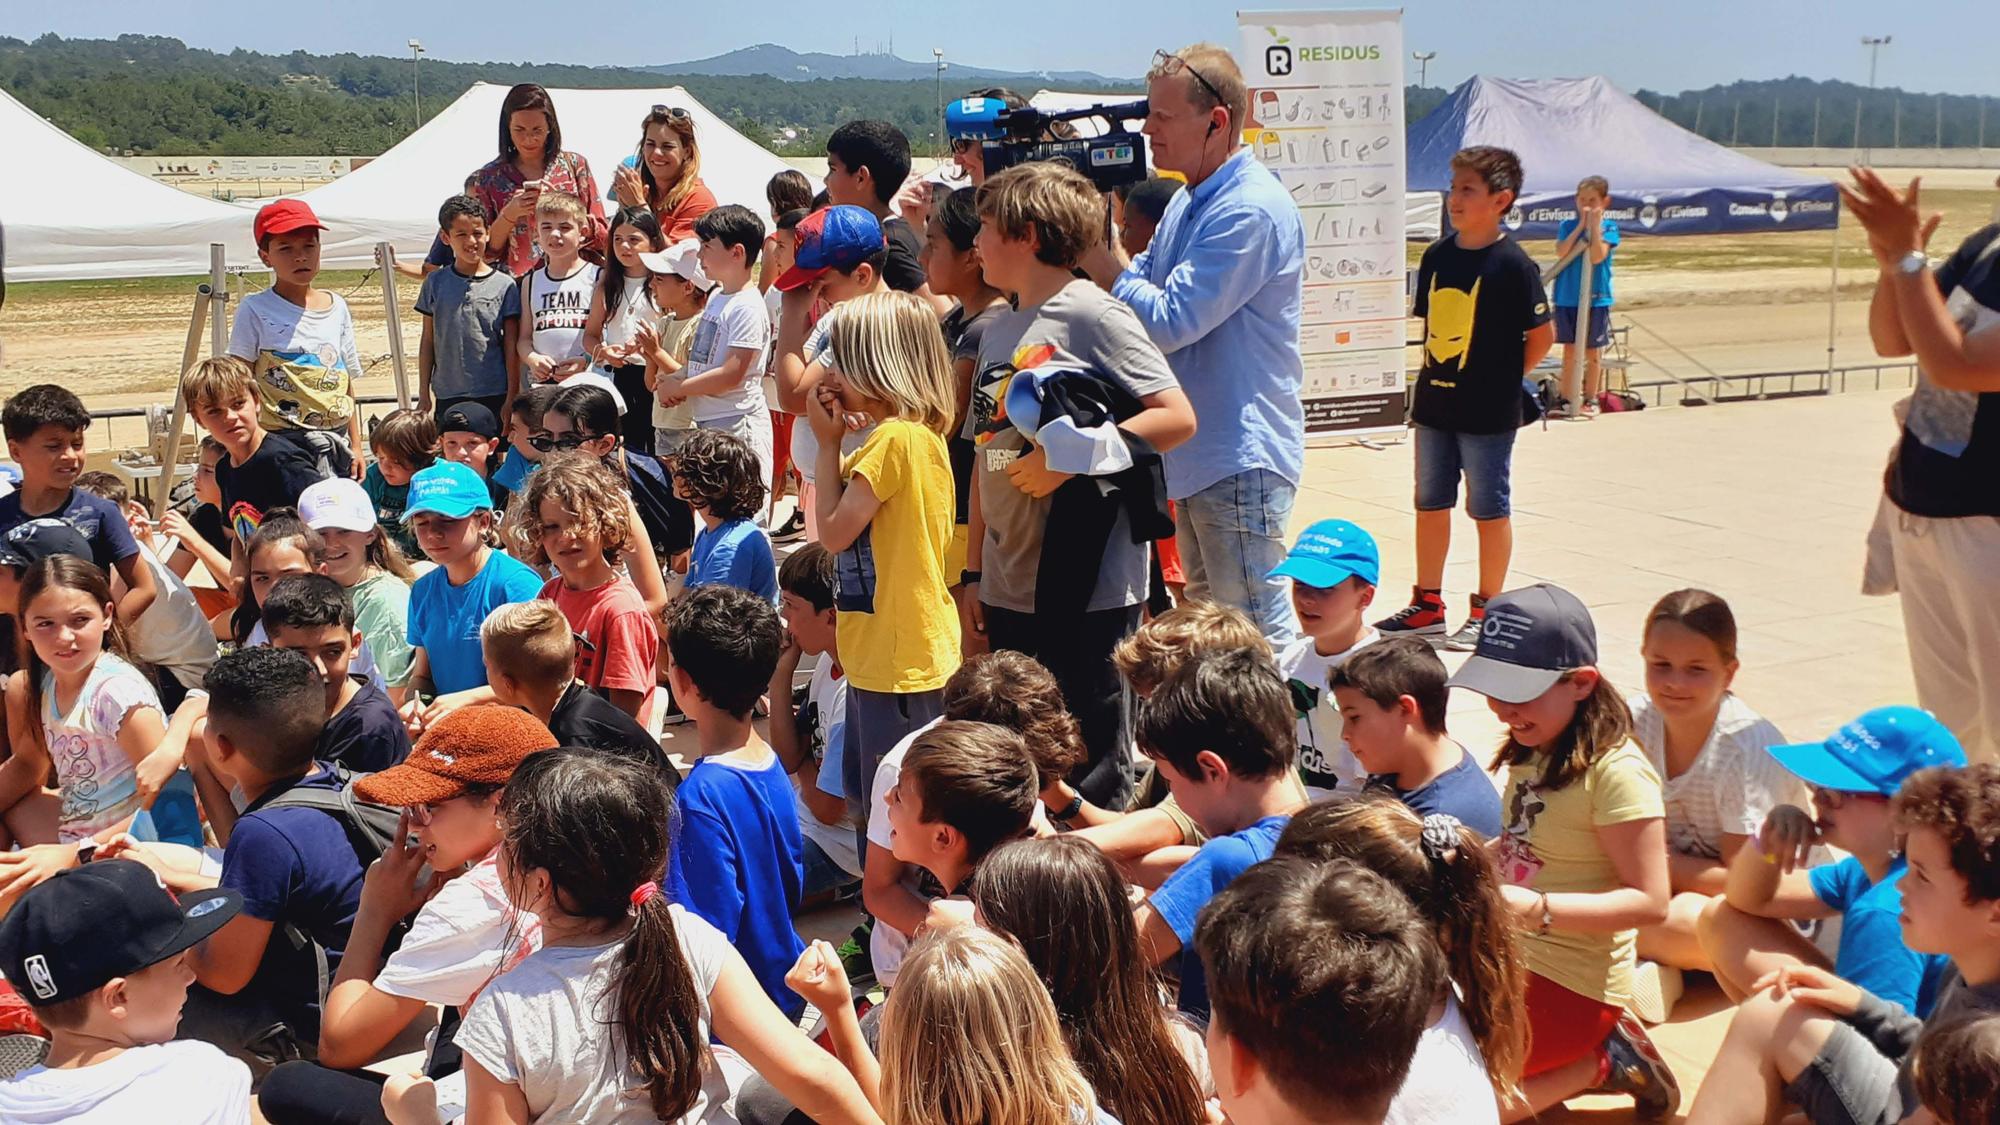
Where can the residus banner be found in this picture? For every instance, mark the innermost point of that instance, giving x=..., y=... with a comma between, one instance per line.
x=1326, y=115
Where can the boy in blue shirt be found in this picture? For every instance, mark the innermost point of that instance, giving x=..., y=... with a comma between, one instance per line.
x=1392, y=698
x=737, y=855
x=1747, y=933
x=472, y=313
x=296, y=868
x=1220, y=731
x=1593, y=195
x=717, y=473
x=45, y=425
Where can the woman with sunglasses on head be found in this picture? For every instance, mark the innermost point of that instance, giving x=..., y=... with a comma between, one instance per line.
x=510, y=185
x=463, y=936
x=584, y=416
x=666, y=173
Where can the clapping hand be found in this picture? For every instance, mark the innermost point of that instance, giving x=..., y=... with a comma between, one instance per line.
x=1896, y=226
x=819, y=977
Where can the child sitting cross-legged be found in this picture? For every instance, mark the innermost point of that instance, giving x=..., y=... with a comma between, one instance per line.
x=463, y=936
x=737, y=851
x=101, y=954
x=453, y=518
x=1333, y=569
x=1309, y=962
x=1807, y=1038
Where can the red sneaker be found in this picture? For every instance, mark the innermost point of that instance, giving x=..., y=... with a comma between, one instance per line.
x=1423, y=617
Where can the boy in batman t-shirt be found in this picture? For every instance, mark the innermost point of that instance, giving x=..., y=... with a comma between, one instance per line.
x=1486, y=325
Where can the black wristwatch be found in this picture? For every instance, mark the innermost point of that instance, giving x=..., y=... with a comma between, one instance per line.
x=968, y=577
x=1070, y=810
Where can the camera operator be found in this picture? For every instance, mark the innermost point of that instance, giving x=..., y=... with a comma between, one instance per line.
x=1219, y=291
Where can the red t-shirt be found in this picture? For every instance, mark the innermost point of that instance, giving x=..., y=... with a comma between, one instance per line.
x=617, y=644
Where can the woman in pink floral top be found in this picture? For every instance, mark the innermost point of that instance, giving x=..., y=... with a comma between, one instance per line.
x=531, y=158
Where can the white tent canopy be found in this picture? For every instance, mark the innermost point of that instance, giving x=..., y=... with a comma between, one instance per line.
x=73, y=213
x=395, y=197
x=1423, y=210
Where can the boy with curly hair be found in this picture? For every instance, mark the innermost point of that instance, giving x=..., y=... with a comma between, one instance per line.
x=718, y=474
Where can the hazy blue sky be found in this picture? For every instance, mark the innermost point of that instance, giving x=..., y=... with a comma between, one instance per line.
x=1940, y=45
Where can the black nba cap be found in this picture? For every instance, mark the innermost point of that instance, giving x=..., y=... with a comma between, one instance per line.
x=1530, y=637
x=90, y=924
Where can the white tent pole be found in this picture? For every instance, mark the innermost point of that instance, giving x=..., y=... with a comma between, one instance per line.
x=1833, y=293
x=385, y=257
x=1574, y=361
x=218, y=300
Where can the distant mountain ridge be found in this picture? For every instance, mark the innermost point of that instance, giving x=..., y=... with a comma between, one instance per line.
x=796, y=66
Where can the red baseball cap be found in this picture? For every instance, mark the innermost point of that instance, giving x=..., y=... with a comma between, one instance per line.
x=285, y=216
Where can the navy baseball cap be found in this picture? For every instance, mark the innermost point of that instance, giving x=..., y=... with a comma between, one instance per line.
x=1329, y=553
x=1874, y=753
x=469, y=418
x=90, y=924
x=29, y=543
x=448, y=488
x=843, y=236
x=1530, y=637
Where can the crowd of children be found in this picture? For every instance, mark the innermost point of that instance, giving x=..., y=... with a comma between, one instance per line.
x=398, y=758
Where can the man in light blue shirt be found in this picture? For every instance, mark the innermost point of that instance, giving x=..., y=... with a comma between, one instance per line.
x=1219, y=291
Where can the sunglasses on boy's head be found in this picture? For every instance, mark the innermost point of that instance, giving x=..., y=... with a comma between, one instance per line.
x=1166, y=64
x=543, y=443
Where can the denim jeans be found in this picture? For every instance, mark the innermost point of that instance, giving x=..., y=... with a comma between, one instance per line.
x=1232, y=535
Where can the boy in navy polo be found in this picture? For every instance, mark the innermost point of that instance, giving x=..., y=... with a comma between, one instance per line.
x=1854, y=774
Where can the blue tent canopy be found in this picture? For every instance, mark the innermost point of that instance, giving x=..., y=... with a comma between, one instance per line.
x=1664, y=179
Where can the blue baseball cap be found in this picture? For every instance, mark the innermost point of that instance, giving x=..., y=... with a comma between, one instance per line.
x=1528, y=639
x=1874, y=753
x=1329, y=553
x=448, y=488
x=843, y=237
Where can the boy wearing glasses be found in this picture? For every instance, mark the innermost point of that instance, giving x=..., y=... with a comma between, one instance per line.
x=1748, y=931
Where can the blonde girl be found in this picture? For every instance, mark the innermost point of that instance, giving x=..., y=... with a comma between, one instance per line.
x=969, y=1036
x=885, y=512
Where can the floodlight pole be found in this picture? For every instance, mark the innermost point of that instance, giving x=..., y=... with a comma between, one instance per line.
x=937, y=90
x=218, y=303
x=416, y=82
x=1423, y=65
x=1874, y=43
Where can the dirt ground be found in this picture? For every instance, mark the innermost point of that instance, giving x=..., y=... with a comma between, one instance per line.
x=1697, y=305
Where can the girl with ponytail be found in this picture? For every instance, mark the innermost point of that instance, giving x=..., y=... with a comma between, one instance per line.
x=1477, y=1038
x=610, y=1021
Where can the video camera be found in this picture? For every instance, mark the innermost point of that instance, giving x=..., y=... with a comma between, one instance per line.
x=1018, y=136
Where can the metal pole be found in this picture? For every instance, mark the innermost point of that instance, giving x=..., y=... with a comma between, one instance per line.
x=1699, y=105
x=1859, y=152
x=1896, y=115
x=1833, y=291
x=1982, y=123
x=218, y=304
x=1736, y=125
x=385, y=256
x=1775, y=114
x=1815, y=143
x=1937, y=134
x=170, y=446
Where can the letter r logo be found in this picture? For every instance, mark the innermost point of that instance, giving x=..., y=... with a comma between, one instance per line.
x=1278, y=61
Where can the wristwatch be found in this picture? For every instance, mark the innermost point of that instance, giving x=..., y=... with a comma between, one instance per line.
x=86, y=851
x=1069, y=811
x=1548, y=918
x=968, y=577
x=1914, y=262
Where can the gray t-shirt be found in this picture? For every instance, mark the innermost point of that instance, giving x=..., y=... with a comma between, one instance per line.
x=1081, y=327
x=468, y=330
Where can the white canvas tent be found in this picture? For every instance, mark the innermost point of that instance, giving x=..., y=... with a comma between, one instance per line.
x=72, y=213
x=1423, y=210
x=395, y=197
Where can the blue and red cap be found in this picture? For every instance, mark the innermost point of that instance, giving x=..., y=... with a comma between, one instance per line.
x=839, y=237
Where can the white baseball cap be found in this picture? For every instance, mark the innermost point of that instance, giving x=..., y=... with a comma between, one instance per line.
x=595, y=378
x=339, y=503
x=682, y=260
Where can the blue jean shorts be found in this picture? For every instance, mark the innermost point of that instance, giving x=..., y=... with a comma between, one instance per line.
x=1486, y=460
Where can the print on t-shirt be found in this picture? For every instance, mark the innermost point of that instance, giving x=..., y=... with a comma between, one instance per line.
x=1448, y=328
x=989, y=398
x=321, y=373
x=854, y=575
x=1518, y=862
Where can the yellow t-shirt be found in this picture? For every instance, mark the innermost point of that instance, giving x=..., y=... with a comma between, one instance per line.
x=898, y=627
x=1550, y=845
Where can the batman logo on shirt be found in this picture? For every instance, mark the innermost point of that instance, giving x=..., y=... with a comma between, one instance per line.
x=1448, y=323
